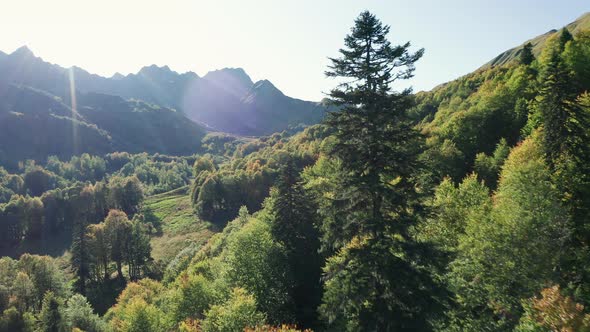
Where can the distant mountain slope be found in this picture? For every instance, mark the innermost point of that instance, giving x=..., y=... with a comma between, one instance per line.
x=582, y=23
x=224, y=100
x=35, y=124
x=494, y=105
x=135, y=126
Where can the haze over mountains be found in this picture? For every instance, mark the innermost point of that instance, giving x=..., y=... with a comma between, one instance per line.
x=224, y=100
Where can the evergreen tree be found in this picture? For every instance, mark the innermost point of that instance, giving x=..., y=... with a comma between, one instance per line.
x=50, y=317
x=375, y=282
x=373, y=138
x=566, y=126
x=526, y=55
x=294, y=227
x=566, y=129
x=488, y=167
x=565, y=122
x=564, y=37
x=80, y=259
x=80, y=256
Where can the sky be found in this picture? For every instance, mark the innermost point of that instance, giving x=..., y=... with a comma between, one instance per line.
x=285, y=41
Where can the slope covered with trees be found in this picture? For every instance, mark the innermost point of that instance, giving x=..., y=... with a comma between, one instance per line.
x=36, y=125
x=537, y=44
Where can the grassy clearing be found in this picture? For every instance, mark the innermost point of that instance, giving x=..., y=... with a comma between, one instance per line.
x=178, y=226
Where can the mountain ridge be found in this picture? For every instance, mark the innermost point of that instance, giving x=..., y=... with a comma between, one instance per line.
x=214, y=100
x=98, y=124
x=538, y=42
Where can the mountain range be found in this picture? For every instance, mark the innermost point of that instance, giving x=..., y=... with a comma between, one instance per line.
x=224, y=100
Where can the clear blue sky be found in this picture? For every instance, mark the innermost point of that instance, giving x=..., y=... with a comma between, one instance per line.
x=287, y=42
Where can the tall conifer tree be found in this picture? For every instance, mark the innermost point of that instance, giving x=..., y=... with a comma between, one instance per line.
x=565, y=122
x=294, y=227
x=566, y=133
x=375, y=282
x=526, y=55
x=83, y=205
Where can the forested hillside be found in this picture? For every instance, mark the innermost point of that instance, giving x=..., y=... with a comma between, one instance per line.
x=538, y=43
x=464, y=208
x=98, y=124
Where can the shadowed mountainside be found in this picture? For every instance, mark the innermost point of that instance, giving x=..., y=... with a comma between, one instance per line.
x=223, y=100
x=101, y=124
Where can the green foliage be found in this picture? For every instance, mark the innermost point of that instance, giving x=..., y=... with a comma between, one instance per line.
x=10, y=184
x=192, y=297
x=13, y=320
x=137, y=308
x=22, y=217
x=322, y=180
x=38, y=180
x=257, y=263
x=31, y=287
x=46, y=276
x=294, y=227
x=565, y=119
x=157, y=173
x=203, y=164
x=125, y=194
x=62, y=213
x=488, y=167
x=378, y=150
x=141, y=317
x=565, y=123
x=512, y=251
x=526, y=54
x=219, y=144
x=245, y=256
x=121, y=241
x=180, y=262
x=24, y=290
x=246, y=179
x=137, y=250
x=50, y=319
x=238, y=313
x=575, y=55
x=473, y=114
x=442, y=160
x=453, y=208
x=82, y=168
x=359, y=290
x=78, y=313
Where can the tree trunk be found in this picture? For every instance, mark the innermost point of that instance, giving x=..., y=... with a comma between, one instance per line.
x=120, y=269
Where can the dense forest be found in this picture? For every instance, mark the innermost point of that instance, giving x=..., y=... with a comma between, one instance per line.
x=465, y=208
